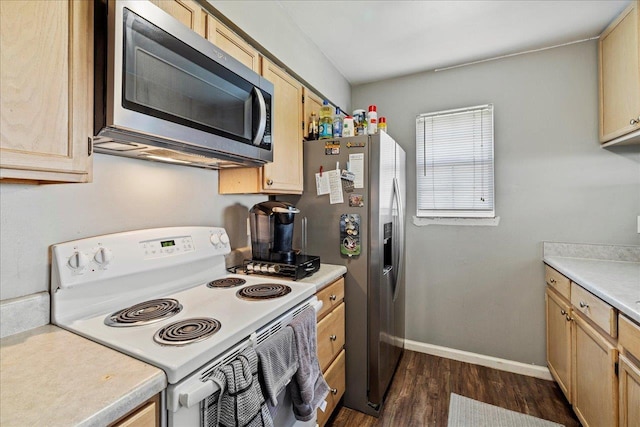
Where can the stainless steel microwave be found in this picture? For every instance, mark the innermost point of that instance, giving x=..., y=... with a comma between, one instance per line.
x=164, y=93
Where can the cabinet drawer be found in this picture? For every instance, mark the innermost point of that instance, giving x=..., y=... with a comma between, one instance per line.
x=593, y=308
x=146, y=415
x=330, y=336
x=331, y=297
x=629, y=336
x=335, y=377
x=557, y=281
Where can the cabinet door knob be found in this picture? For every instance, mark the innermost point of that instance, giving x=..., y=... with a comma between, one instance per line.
x=269, y=182
x=552, y=280
x=563, y=312
x=634, y=121
x=584, y=305
x=334, y=390
x=333, y=297
x=333, y=337
x=569, y=318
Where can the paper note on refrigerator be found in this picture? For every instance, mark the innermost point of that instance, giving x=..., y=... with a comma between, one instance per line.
x=335, y=187
x=322, y=184
x=356, y=166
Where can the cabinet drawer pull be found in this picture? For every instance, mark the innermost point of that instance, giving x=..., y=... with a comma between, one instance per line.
x=334, y=390
x=552, y=280
x=333, y=297
x=634, y=121
x=333, y=337
x=584, y=305
x=269, y=182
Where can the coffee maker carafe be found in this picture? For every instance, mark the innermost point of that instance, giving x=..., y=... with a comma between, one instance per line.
x=272, y=231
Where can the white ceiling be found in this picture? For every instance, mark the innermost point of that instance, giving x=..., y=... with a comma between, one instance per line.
x=374, y=40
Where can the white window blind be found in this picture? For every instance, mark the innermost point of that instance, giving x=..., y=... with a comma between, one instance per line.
x=454, y=163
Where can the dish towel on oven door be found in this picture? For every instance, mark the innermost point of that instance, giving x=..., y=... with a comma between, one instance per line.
x=278, y=358
x=308, y=389
x=241, y=402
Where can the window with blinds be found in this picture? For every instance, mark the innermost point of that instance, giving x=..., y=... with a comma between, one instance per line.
x=454, y=163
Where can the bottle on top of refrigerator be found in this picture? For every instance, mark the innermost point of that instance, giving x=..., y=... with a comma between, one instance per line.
x=347, y=126
x=325, y=130
x=313, y=126
x=338, y=123
x=382, y=124
x=358, y=122
x=372, y=119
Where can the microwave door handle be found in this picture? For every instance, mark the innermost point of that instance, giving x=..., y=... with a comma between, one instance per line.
x=263, y=117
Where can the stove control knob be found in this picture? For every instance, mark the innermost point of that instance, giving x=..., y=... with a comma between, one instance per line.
x=224, y=238
x=215, y=239
x=78, y=261
x=249, y=267
x=264, y=268
x=103, y=256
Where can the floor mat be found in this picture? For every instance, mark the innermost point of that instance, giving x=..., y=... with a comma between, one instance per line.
x=465, y=412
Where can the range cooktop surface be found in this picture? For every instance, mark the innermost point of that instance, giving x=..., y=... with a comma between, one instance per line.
x=172, y=280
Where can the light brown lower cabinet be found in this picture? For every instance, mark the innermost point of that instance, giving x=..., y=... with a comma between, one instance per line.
x=629, y=374
x=559, y=327
x=145, y=415
x=595, y=384
x=331, y=353
x=335, y=377
x=629, y=371
x=593, y=353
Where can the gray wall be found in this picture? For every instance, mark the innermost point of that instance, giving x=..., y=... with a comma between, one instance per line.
x=268, y=24
x=125, y=194
x=481, y=289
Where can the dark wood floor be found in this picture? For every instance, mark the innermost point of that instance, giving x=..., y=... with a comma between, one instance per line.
x=419, y=394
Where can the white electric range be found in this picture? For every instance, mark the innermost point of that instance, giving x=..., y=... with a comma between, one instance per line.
x=164, y=296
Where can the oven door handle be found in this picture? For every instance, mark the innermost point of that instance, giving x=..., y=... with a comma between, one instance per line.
x=198, y=392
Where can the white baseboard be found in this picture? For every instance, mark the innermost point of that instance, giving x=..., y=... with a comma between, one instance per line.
x=541, y=372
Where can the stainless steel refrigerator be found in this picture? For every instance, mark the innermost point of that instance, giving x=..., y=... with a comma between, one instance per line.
x=365, y=232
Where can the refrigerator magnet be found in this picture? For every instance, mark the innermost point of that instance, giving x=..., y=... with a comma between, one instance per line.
x=350, y=234
x=332, y=148
x=356, y=200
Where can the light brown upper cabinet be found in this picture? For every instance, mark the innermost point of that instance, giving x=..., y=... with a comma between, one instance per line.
x=228, y=41
x=46, y=81
x=284, y=174
x=188, y=12
x=619, y=84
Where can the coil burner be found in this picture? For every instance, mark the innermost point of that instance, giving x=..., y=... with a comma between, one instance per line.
x=187, y=331
x=263, y=291
x=144, y=313
x=228, y=282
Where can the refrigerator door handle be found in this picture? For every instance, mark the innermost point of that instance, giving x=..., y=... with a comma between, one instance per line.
x=400, y=237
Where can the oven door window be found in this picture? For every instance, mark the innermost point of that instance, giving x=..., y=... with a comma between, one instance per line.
x=165, y=78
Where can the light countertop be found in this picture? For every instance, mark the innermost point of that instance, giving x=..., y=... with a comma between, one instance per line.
x=52, y=377
x=327, y=274
x=616, y=282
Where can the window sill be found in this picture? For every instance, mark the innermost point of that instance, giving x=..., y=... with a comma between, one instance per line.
x=476, y=222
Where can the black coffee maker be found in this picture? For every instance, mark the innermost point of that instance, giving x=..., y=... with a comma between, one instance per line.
x=272, y=231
